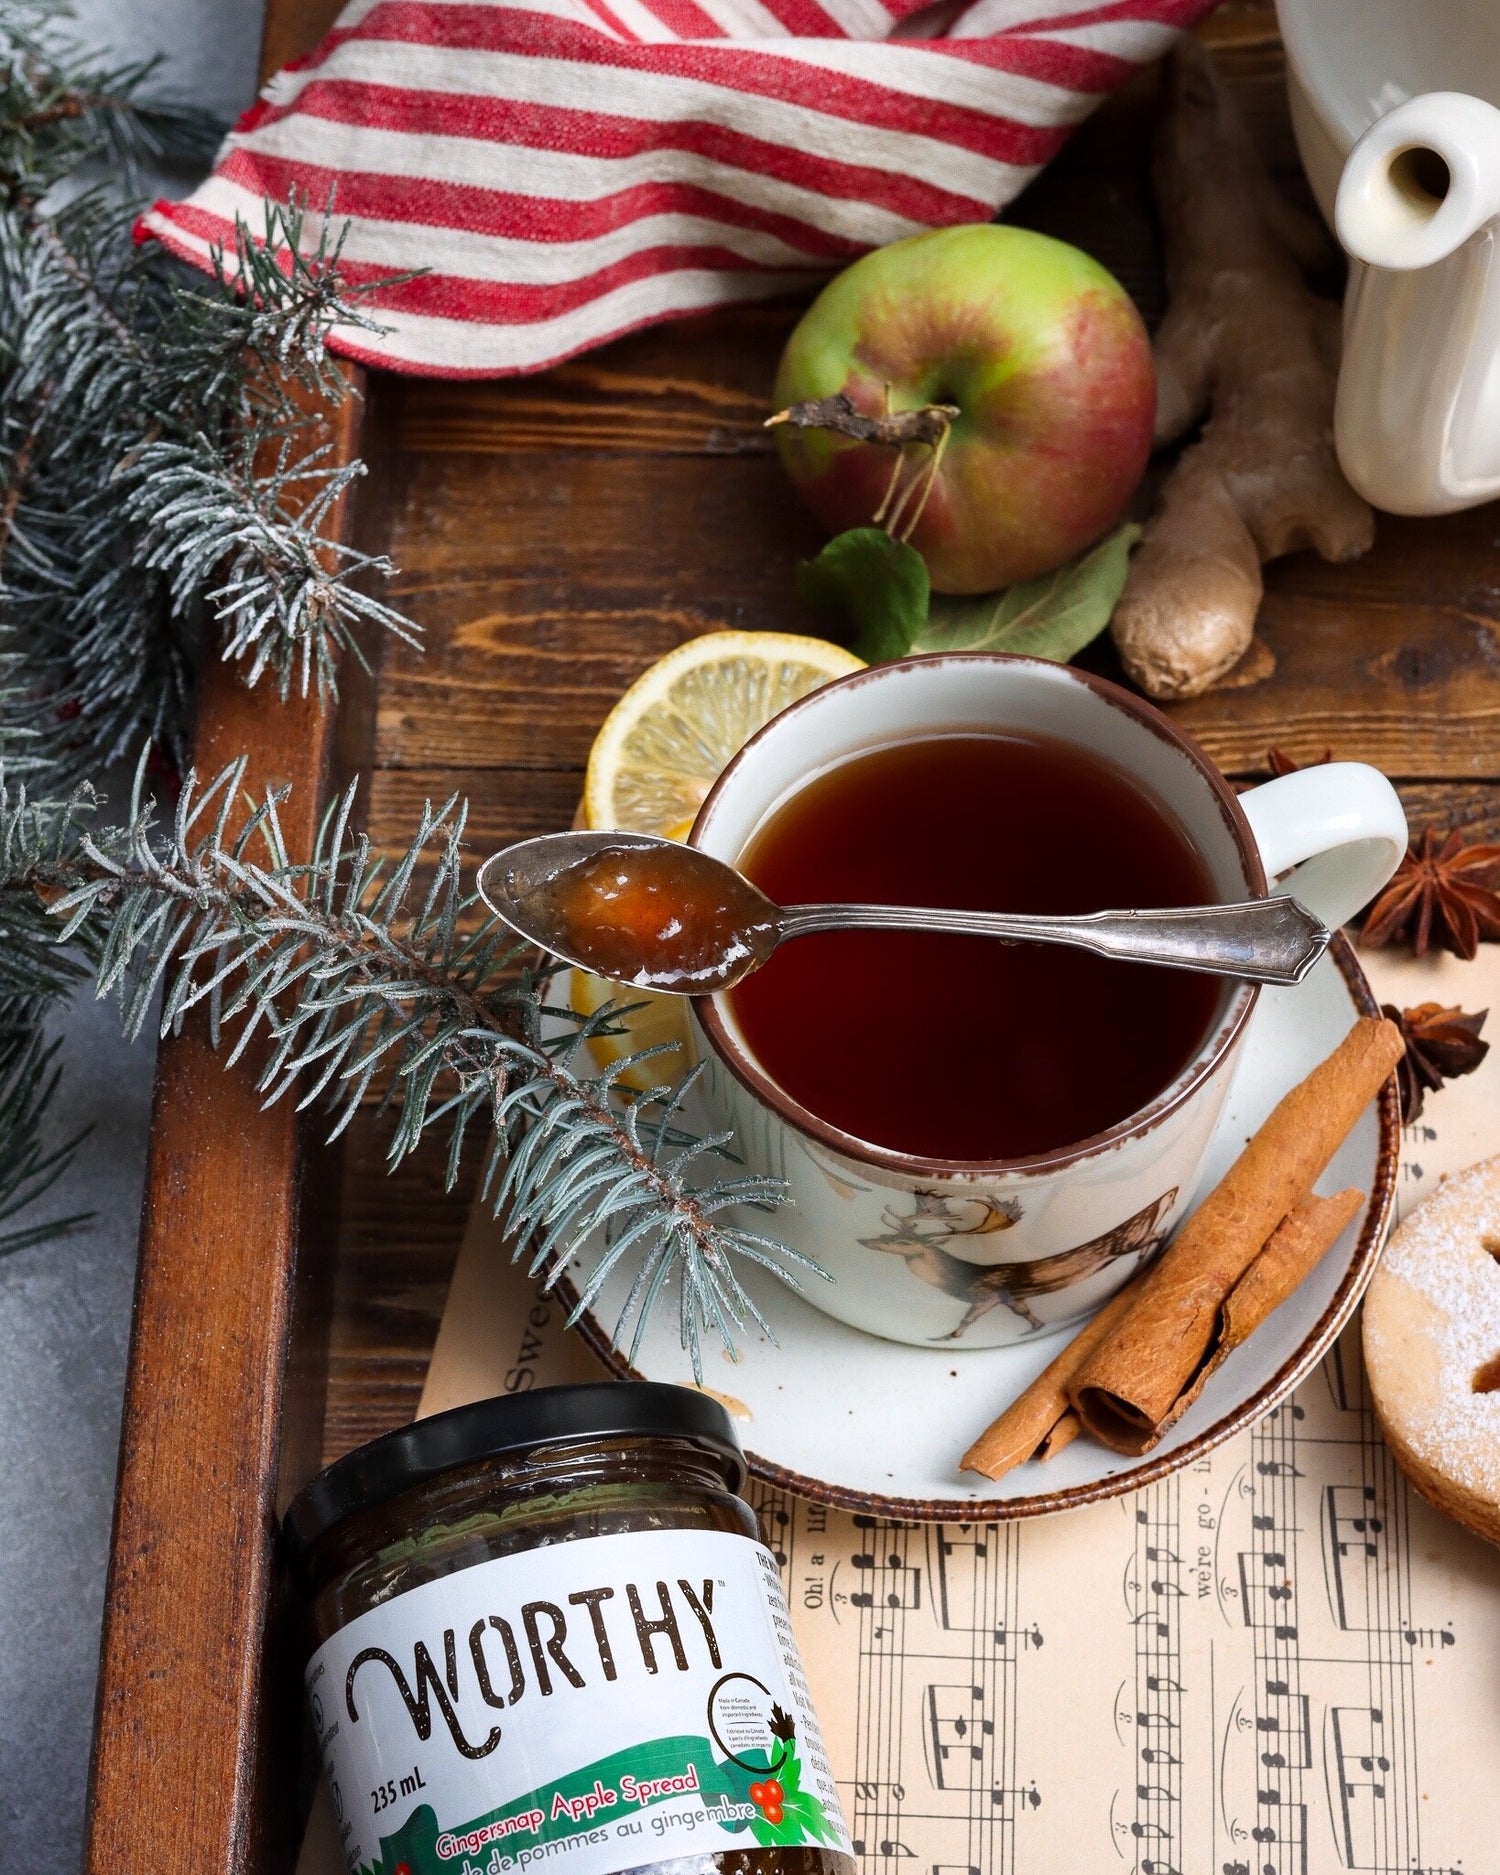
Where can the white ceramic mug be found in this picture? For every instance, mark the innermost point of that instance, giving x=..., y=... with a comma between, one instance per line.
x=977, y=1255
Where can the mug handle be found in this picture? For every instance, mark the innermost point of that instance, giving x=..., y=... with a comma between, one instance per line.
x=1330, y=836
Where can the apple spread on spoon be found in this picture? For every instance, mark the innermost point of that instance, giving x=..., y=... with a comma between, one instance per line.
x=654, y=914
x=662, y=916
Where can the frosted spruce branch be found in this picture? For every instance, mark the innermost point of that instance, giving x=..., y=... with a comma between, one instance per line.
x=163, y=469
x=62, y=107
x=364, y=978
x=163, y=444
x=163, y=464
x=28, y=1167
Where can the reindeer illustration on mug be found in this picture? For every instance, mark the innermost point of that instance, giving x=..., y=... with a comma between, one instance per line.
x=922, y=1238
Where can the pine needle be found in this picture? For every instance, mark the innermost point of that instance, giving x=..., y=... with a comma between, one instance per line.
x=163, y=457
x=359, y=979
x=164, y=476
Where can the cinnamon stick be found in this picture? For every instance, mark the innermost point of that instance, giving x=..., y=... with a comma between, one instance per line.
x=1040, y=1423
x=1299, y=1244
x=1296, y=1247
x=1032, y=1425
x=1067, y=1429
x=1129, y=1384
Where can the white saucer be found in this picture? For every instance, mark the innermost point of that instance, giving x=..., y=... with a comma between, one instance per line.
x=848, y=1419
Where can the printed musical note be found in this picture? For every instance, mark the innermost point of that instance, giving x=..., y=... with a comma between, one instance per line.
x=776, y=1522
x=1352, y=1522
x=1266, y=1591
x=1362, y=1768
x=895, y=1583
x=1232, y=1670
x=1156, y=1581
x=1276, y=1659
x=1283, y=1720
x=960, y=1733
x=961, y=1554
x=1428, y=1637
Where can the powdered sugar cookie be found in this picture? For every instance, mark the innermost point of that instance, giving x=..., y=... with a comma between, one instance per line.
x=1432, y=1347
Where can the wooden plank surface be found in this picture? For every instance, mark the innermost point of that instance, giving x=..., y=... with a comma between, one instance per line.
x=183, y=1704
x=1392, y=659
x=197, y=1722
x=556, y=534
x=293, y=27
x=198, y=1716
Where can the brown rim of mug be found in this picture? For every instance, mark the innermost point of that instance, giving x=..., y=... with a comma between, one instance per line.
x=748, y=1072
x=1133, y=1476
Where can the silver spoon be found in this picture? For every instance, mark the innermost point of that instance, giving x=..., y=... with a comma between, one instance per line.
x=663, y=916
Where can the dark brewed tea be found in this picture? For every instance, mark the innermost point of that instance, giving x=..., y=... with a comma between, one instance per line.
x=962, y=1047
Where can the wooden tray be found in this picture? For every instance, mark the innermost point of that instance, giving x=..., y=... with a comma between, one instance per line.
x=554, y=535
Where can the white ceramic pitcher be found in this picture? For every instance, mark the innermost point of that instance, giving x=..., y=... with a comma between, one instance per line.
x=1404, y=159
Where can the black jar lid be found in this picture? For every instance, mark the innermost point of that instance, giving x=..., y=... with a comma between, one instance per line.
x=510, y=1423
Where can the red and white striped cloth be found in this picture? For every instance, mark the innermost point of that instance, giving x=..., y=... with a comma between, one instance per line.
x=567, y=170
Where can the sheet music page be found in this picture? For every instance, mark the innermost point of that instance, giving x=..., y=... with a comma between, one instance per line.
x=1278, y=1661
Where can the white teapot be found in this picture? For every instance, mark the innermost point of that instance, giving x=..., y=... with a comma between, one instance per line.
x=1404, y=160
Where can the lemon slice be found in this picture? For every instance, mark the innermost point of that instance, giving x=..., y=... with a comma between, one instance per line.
x=665, y=743
x=660, y=750
x=657, y=1019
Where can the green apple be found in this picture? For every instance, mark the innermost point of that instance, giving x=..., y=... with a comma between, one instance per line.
x=1048, y=363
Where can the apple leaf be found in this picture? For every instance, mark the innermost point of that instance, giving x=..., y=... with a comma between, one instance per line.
x=879, y=584
x=1053, y=616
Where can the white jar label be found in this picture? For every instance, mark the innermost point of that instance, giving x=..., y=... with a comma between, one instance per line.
x=585, y=1707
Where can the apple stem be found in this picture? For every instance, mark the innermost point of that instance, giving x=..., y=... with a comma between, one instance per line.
x=887, y=515
x=923, y=479
x=928, y=425
x=890, y=488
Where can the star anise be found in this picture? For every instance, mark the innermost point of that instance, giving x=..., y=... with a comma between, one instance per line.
x=1280, y=763
x=1441, y=1044
x=1443, y=893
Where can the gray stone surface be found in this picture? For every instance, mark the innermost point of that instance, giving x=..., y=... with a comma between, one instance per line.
x=209, y=48
x=64, y=1322
x=65, y=1306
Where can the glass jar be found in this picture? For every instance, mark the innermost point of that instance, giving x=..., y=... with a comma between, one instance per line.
x=547, y=1635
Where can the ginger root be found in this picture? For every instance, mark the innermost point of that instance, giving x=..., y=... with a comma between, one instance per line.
x=1245, y=340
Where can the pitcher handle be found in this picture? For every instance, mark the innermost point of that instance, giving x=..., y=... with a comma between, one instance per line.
x=1330, y=836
